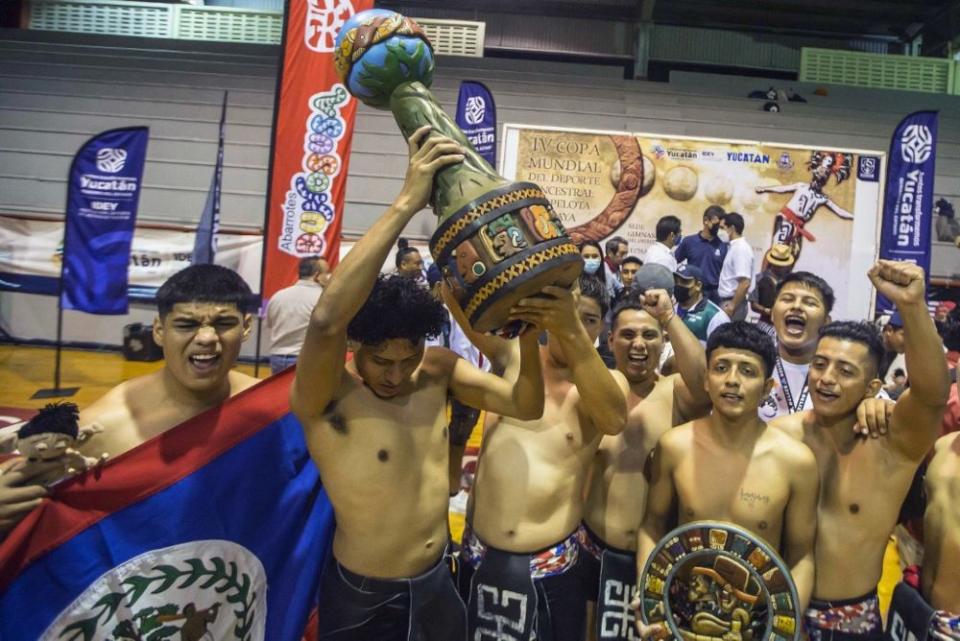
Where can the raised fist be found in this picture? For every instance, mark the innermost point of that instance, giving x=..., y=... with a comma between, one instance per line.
x=902, y=283
x=657, y=303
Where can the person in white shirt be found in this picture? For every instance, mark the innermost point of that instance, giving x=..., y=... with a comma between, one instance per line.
x=802, y=306
x=668, y=237
x=737, y=271
x=288, y=312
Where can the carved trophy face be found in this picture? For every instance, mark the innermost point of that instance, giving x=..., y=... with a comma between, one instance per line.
x=542, y=222
x=504, y=238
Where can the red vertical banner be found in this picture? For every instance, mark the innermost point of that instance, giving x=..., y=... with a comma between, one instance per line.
x=310, y=150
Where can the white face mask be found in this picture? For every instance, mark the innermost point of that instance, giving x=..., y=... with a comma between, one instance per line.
x=591, y=265
x=723, y=235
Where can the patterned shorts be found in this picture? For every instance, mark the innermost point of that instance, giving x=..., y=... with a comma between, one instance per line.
x=860, y=617
x=945, y=626
x=554, y=560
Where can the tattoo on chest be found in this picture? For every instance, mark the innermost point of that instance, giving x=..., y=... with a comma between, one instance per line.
x=754, y=498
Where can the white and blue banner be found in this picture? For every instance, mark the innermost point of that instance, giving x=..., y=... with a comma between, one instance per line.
x=908, y=206
x=102, y=196
x=477, y=117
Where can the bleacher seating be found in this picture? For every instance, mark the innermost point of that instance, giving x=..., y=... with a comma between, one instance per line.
x=58, y=89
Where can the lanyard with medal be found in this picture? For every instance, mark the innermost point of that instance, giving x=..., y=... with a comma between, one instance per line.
x=787, y=394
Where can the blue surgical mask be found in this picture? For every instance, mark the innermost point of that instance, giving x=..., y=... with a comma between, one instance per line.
x=591, y=265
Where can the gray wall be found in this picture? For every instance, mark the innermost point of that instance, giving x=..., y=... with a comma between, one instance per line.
x=56, y=90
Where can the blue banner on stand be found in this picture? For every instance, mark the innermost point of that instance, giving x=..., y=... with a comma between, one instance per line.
x=477, y=117
x=908, y=205
x=102, y=197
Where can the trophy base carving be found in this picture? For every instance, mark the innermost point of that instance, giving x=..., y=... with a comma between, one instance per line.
x=505, y=245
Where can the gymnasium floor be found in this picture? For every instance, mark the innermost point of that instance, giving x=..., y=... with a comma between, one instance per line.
x=24, y=370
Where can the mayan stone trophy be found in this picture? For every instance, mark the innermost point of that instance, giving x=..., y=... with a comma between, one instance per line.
x=714, y=581
x=497, y=240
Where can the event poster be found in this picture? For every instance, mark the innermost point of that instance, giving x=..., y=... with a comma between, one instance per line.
x=823, y=203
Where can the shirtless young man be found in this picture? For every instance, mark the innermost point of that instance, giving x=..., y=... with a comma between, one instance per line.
x=939, y=578
x=730, y=466
x=802, y=306
x=204, y=317
x=520, y=545
x=863, y=481
x=616, y=498
x=377, y=429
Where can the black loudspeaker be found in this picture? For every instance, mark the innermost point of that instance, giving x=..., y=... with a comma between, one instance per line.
x=138, y=344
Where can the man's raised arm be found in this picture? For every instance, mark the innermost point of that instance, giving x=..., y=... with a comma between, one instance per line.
x=320, y=365
x=689, y=392
x=519, y=395
x=918, y=413
x=603, y=392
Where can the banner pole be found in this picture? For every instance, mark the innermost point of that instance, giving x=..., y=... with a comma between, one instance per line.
x=56, y=391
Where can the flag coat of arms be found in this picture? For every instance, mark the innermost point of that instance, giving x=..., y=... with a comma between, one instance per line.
x=219, y=528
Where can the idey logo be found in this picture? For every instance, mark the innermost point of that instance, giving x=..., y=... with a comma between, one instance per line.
x=916, y=144
x=475, y=110
x=324, y=20
x=111, y=160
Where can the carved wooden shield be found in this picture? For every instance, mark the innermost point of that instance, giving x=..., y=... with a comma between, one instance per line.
x=714, y=581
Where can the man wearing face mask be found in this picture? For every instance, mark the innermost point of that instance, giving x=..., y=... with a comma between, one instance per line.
x=668, y=236
x=699, y=314
x=706, y=251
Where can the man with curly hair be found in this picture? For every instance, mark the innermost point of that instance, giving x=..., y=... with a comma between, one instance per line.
x=377, y=429
x=806, y=199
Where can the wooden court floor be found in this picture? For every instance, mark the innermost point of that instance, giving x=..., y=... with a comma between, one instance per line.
x=25, y=369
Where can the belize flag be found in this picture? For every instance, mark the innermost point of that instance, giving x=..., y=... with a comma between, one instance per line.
x=217, y=529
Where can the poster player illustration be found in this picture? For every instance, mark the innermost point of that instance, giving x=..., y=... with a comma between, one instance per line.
x=603, y=184
x=807, y=198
